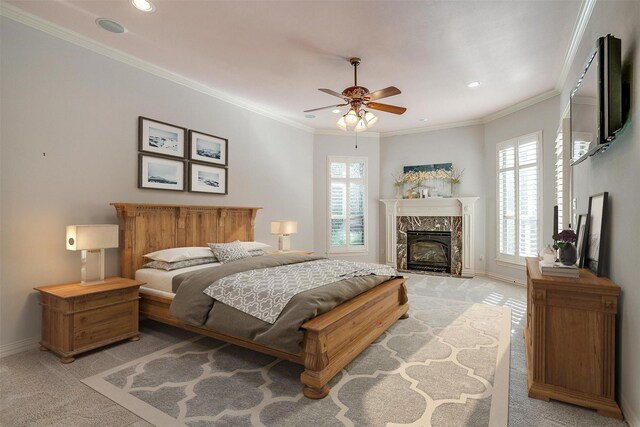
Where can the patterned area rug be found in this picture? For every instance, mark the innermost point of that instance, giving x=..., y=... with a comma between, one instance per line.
x=447, y=365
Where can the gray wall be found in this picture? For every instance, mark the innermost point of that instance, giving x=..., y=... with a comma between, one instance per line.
x=616, y=171
x=545, y=117
x=462, y=146
x=345, y=145
x=69, y=148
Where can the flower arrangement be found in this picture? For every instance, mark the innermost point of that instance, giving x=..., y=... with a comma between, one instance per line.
x=564, y=237
x=455, y=176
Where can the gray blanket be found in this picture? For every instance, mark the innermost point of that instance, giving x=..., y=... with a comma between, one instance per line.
x=191, y=305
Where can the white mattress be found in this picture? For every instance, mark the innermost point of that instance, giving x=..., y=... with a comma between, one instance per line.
x=161, y=280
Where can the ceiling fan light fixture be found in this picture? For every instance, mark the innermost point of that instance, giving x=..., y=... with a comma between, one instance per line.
x=351, y=118
x=370, y=118
x=362, y=125
x=342, y=124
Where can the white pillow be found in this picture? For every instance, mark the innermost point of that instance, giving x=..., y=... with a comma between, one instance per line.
x=252, y=246
x=180, y=254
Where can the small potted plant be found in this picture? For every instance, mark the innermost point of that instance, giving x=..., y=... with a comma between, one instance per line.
x=568, y=254
x=398, y=183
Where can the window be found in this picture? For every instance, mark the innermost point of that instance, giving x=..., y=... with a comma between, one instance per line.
x=563, y=184
x=347, y=194
x=519, y=195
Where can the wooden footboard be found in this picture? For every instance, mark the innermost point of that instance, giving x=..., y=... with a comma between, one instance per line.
x=331, y=340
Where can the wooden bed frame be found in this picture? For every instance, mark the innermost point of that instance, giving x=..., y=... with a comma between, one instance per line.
x=331, y=340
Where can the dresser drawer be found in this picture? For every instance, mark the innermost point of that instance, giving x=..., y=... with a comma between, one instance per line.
x=91, y=318
x=88, y=302
x=103, y=332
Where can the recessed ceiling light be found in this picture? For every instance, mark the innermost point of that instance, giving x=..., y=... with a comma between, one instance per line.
x=110, y=25
x=474, y=84
x=335, y=110
x=143, y=5
x=424, y=119
x=310, y=116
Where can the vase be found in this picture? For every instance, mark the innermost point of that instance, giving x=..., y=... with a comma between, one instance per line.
x=454, y=189
x=398, y=192
x=568, y=254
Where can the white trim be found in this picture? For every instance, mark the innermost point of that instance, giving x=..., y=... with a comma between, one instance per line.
x=510, y=264
x=348, y=248
x=521, y=105
x=508, y=279
x=432, y=128
x=629, y=415
x=19, y=346
x=576, y=38
x=33, y=21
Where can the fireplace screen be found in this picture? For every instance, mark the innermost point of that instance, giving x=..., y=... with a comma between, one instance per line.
x=429, y=251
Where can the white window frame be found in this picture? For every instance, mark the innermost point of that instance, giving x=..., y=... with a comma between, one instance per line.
x=563, y=173
x=508, y=258
x=348, y=248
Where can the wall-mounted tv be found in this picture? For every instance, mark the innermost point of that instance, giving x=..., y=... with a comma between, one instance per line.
x=596, y=101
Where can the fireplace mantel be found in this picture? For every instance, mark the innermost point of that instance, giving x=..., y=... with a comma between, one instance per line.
x=449, y=206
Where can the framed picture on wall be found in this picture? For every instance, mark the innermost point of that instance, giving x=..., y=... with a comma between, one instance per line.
x=160, y=173
x=161, y=138
x=207, y=179
x=583, y=231
x=208, y=148
x=597, y=218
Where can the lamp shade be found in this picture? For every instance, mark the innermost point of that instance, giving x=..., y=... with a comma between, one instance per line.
x=87, y=237
x=284, y=227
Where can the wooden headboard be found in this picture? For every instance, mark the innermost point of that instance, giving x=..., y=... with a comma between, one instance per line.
x=146, y=228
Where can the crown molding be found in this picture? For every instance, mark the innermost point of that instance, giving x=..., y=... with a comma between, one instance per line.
x=521, y=105
x=586, y=8
x=432, y=128
x=335, y=132
x=33, y=21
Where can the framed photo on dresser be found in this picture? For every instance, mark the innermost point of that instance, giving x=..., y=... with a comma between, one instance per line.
x=161, y=138
x=596, y=245
x=207, y=179
x=583, y=232
x=208, y=148
x=160, y=173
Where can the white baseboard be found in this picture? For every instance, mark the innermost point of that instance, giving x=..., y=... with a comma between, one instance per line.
x=508, y=279
x=19, y=346
x=629, y=415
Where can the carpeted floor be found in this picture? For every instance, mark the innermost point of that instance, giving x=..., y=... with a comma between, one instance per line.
x=437, y=368
x=36, y=389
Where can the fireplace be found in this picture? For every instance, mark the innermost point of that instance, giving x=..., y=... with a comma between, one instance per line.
x=429, y=251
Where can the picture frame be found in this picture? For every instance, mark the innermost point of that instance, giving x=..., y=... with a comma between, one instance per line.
x=208, y=179
x=208, y=148
x=160, y=173
x=161, y=138
x=582, y=231
x=596, y=245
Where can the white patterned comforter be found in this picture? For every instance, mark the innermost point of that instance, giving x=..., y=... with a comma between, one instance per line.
x=264, y=293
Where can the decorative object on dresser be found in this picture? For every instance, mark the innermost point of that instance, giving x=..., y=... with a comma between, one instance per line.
x=330, y=340
x=207, y=179
x=160, y=173
x=161, y=138
x=78, y=318
x=583, y=233
x=92, y=238
x=208, y=148
x=570, y=339
x=597, y=243
x=284, y=229
x=567, y=253
x=559, y=269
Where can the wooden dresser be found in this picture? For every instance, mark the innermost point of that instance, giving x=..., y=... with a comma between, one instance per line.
x=78, y=318
x=570, y=339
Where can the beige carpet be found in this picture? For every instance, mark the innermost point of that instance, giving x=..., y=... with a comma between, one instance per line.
x=447, y=365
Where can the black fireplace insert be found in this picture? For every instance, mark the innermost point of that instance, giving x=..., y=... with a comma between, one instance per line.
x=429, y=251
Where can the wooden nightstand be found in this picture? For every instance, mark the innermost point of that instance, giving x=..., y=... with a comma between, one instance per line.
x=292, y=251
x=78, y=318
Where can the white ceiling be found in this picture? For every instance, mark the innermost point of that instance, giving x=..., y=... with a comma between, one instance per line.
x=278, y=53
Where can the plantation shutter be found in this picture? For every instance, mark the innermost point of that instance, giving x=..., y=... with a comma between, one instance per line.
x=347, y=204
x=559, y=181
x=518, y=182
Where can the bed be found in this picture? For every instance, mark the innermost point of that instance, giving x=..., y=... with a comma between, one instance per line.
x=331, y=340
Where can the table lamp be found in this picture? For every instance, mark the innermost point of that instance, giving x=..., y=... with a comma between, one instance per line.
x=91, y=238
x=284, y=229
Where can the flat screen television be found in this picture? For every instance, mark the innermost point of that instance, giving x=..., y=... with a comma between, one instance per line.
x=596, y=101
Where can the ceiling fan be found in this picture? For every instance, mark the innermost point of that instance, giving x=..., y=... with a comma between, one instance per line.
x=359, y=97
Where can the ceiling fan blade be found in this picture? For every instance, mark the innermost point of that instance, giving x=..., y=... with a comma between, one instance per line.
x=324, y=108
x=386, y=108
x=383, y=93
x=334, y=93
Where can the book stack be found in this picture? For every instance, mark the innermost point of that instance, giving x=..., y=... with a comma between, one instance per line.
x=559, y=269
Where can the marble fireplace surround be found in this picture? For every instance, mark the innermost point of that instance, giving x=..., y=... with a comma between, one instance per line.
x=455, y=214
